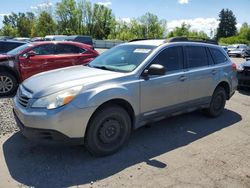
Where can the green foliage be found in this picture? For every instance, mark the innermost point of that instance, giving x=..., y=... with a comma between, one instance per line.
x=227, y=25
x=67, y=17
x=18, y=24
x=243, y=37
x=44, y=25
x=184, y=30
x=146, y=26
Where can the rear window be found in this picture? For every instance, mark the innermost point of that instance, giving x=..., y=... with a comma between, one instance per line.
x=196, y=56
x=218, y=56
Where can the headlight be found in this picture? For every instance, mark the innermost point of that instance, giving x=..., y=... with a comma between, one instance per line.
x=57, y=99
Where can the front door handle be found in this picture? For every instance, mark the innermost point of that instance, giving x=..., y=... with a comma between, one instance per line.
x=183, y=78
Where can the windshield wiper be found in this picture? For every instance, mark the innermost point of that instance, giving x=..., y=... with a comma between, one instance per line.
x=104, y=68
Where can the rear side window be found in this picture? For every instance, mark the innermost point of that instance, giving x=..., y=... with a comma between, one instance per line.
x=13, y=45
x=218, y=56
x=47, y=49
x=68, y=49
x=171, y=58
x=3, y=47
x=196, y=56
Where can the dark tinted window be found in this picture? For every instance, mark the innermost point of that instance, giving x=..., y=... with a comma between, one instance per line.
x=218, y=56
x=196, y=56
x=171, y=58
x=47, y=49
x=3, y=47
x=14, y=45
x=68, y=49
x=7, y=46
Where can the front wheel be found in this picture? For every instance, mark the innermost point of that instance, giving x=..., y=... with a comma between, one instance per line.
x=217, y=103
x=108, y=130
x=8, y=84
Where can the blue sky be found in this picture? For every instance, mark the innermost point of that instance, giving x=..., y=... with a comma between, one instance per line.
x=200, y=14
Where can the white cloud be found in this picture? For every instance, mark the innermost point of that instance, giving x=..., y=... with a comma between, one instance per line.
x=2, y=15
x=42, y=6
x=198, y=24
x=207, y=25
x=183, y=1
x=127, y=20
x=106, y=3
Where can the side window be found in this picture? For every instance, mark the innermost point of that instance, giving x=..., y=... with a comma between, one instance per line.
x=171, y=58
x=47, y=49
x=3, y=48
x=218, y=56
x=68, y=49
x=196, y=56
x=13, y=45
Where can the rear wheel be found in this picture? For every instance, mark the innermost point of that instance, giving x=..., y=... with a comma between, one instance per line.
x=217, y=103
x=108, y=131
x=8, y=84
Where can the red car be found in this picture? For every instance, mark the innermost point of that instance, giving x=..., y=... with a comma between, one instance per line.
x=32, y=58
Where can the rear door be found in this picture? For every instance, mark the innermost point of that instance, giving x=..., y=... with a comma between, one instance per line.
x=36, y=64
x=200, y=73
x=166, y=92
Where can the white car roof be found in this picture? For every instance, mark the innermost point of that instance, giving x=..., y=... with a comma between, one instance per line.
x=154, y=42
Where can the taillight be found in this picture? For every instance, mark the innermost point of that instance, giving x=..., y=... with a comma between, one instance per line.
x=234, y=67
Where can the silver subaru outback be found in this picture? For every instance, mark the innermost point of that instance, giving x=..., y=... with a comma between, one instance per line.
x=123, y=89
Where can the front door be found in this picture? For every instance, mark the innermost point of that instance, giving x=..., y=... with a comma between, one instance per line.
x=29, y=66
x=165, y=92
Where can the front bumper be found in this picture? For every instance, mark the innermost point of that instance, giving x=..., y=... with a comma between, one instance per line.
x=64, y=123
x=243, y=79
x=45, y=136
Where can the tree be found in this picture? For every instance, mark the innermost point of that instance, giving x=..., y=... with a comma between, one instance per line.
x=44, y=25
x=151, y=27
x=25, y=23
x=184, y=30
x=180, y=31
x=67, y=17
x=242, y=37
x=227, y=25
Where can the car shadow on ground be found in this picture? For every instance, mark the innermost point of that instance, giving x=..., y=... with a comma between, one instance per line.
x=244, y=91
x=63, y=166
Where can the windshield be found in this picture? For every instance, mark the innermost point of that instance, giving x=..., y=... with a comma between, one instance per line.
x=124, y=58
x=19, y=49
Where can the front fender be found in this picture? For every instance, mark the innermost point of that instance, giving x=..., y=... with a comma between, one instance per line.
x=97, y=96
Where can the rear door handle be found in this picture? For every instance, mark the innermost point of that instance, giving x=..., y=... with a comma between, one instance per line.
x=214, y=71
x=183, y=78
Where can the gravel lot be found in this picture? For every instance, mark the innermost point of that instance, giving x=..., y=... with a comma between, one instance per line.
x=190, y=150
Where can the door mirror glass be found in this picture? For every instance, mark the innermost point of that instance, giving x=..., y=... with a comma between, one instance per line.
x=155, y=69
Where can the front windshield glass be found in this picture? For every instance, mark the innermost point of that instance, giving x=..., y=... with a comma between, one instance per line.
x=124, y=58
x=17, y=50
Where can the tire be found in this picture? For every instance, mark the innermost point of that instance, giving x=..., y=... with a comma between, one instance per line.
x=217, y=103
x=8, y=84
x=108, y=131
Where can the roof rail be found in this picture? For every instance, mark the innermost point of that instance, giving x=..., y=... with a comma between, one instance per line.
x=192, y=39
x=133, y=40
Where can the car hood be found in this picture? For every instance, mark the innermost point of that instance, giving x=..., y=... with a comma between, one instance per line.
x=246, y=64
x=46, y=83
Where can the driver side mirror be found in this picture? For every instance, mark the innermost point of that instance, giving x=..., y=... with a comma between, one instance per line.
x=30, y=54
x=155, y=69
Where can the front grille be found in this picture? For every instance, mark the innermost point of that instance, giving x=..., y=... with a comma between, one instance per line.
x=23, y=97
